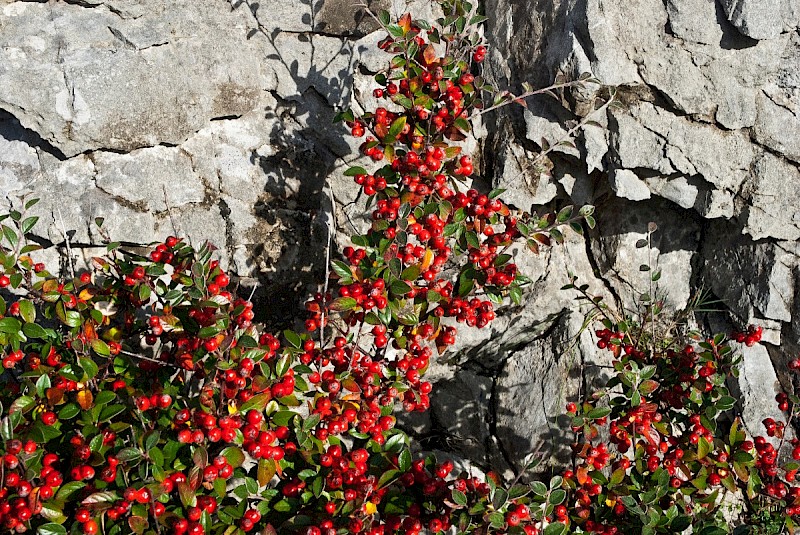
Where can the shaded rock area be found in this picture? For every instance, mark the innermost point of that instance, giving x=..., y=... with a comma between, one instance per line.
x=213, y=120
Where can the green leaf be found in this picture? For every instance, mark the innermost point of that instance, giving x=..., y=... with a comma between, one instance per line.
x=68, y=489
x=395, y=129
x=127, y=455
x=293, y=338
x=10, y=235
x=69, y=411
x=712, y=530
x=188, y=498
x=459, y=498
x=101, y=497
x=10, y=325
x=462, y=124
x=404, y=460
x=472, y=239
x=6, y=429
x=110, y=411
x=101, y=348
x=311, y=421
x=88, y=366
x=725, y=403
x=539, y=488
x=357, y=170
x=42, y=384
x=34, y=330
x=556, y=497
x=703, y=448
x=342, y=304
x=104, y=397
x=152, y=439
x=500, y=498
x=51, y=529
x=258, y=402
x=680, y=523
x=599, y=412
x=564, y=214
x=399, y=287
x=234, y=455
x=27, y=311
x=388, y=477
x=556, y=528
x=394, y=30
x=410, y=273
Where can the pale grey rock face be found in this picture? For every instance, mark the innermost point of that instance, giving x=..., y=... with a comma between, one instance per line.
x=112, y=83
x=762, y=19
x=627, y=185
x=214, y=120
x=772, y=210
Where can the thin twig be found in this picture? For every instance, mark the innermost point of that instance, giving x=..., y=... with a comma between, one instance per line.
x=169, y=212
x=142, y=357
x=70, y=262
x=527, y=94
x=331, y=229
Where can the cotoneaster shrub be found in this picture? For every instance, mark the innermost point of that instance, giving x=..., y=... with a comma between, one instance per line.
x=140, y=397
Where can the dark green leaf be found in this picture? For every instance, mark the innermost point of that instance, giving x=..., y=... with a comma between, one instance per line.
x=51, y=529
x=556, y=528
x=34, y=330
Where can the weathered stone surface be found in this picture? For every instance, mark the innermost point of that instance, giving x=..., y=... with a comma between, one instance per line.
x=762, y=19
x=672, y=249
x=778, y=127
x=765, y=289
x=98, y=88
x=173, y=184
x=772, y=209
x=533, y=387
x=461, y=410
x=627, y=185
x=757, y=385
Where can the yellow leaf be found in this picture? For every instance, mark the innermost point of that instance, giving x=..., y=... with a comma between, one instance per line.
x=85, y=294
x=427, y=260
x=405, y=23
x=370, y=508
x=113, y=334
x=85, y=399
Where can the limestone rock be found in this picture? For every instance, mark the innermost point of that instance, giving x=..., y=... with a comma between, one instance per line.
x=97, y=88
x=689, y=20
x=761, y=19
x=772, y=209
x=461, y=409
x=173, y=182
x=764, y=290
x=673, y=246
x=757, y=385
x=531, y=392
x=627, y=185
x=778, y=127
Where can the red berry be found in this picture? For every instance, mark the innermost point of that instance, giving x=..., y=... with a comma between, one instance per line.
x=49, y=418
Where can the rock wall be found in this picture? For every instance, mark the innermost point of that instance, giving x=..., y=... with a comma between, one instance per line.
x=213, y=119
